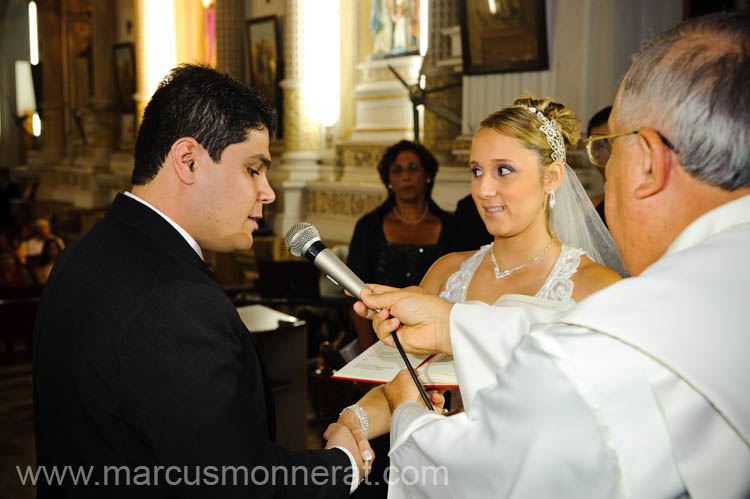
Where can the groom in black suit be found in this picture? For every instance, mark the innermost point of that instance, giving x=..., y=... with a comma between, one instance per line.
x=144, y=375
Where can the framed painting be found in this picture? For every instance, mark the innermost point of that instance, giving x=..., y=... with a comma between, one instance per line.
x=124, y=60
x=395, y=27
x=264, y=51
x=501, y=36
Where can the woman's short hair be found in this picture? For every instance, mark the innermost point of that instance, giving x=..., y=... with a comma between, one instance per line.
x=427, y=160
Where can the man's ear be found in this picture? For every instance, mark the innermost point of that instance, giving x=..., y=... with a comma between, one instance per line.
x=553, y=176
x=184, y=154
x=655, y=168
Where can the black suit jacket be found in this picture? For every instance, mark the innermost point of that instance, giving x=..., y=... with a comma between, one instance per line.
x=140, y=360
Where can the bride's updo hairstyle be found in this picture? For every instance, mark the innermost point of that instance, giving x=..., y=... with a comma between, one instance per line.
x=524, y=125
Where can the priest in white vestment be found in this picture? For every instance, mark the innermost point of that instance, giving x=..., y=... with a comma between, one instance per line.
x=641, y=389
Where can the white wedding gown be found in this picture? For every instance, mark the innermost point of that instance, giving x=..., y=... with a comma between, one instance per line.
x=557, y=287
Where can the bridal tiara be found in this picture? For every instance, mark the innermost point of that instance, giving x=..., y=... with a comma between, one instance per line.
x=554, y=137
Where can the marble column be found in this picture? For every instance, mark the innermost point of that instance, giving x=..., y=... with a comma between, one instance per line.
x=51, y=57
x=103, y=110
x=230, y=37
x=141, y=96
x=302, y=134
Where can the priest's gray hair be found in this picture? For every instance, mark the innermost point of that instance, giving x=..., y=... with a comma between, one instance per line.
x=692, y=84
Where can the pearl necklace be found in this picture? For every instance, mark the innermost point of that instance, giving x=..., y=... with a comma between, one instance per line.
x=506, y=273
x=409, y=222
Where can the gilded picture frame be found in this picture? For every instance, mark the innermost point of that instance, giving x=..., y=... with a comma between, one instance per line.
x=124, y=67
x=264, y=53
x=501, y=36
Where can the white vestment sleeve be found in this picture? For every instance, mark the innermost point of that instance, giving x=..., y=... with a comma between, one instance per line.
x=529, y=434
x=483, y=337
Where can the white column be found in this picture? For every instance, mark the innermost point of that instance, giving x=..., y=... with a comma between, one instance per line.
x=302, y=130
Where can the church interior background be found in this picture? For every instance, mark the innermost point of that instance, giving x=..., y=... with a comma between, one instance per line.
x=75, y=75
x=340, y=105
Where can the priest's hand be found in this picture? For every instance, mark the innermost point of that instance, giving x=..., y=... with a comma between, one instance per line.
x=421, y=319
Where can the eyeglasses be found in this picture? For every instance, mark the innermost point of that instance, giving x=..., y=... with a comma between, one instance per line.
x=599, y=147
x=398, y=169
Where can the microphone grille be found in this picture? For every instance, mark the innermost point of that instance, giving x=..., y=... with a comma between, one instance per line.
x=299, y=237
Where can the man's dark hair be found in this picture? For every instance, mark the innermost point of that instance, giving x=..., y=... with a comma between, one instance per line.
x=600, y=118
x=198, y=102
x=427, y=160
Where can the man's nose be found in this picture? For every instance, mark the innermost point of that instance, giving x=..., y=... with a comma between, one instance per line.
x=266, y=195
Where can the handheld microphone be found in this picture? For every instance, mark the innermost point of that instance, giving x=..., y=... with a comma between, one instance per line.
x=303, y=239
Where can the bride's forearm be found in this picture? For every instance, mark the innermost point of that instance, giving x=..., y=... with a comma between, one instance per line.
x=375, y=406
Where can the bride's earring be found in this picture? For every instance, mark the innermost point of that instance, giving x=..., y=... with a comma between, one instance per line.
x=552, y=200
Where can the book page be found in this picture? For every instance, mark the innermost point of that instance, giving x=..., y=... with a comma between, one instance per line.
x=380, y=364
x=438, y=370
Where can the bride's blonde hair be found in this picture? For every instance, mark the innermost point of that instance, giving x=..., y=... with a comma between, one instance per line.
x=575, y=221
x=522, y=124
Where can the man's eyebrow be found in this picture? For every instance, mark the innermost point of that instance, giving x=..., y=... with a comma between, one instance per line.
x=263, y=159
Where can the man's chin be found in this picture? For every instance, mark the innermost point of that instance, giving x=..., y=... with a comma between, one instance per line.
x=238, y=241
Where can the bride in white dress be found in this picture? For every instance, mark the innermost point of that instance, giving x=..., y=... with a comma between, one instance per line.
x=549, y=242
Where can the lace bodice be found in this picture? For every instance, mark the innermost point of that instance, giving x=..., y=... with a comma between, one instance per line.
x=557, y=286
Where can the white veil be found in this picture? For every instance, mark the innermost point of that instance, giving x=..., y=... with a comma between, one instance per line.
x=576, y=223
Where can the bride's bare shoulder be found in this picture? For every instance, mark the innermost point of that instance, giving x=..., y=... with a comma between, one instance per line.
x=444, y=267
x=592, y=277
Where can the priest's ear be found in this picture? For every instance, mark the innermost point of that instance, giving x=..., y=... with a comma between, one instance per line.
x=652, y=173
x=553, y=176
x=183, y=157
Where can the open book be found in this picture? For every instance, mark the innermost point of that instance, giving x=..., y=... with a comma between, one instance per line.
x=380, y=364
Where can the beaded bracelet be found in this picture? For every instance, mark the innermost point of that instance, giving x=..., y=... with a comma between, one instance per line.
x=364, y=422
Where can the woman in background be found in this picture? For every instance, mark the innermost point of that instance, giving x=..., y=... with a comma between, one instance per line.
x=50, y=251
x=397, y=242
x=12, y=273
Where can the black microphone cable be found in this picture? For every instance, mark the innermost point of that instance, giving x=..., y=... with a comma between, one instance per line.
x=303, y=239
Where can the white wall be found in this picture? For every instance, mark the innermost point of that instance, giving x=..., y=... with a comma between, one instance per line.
x=590, y=44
